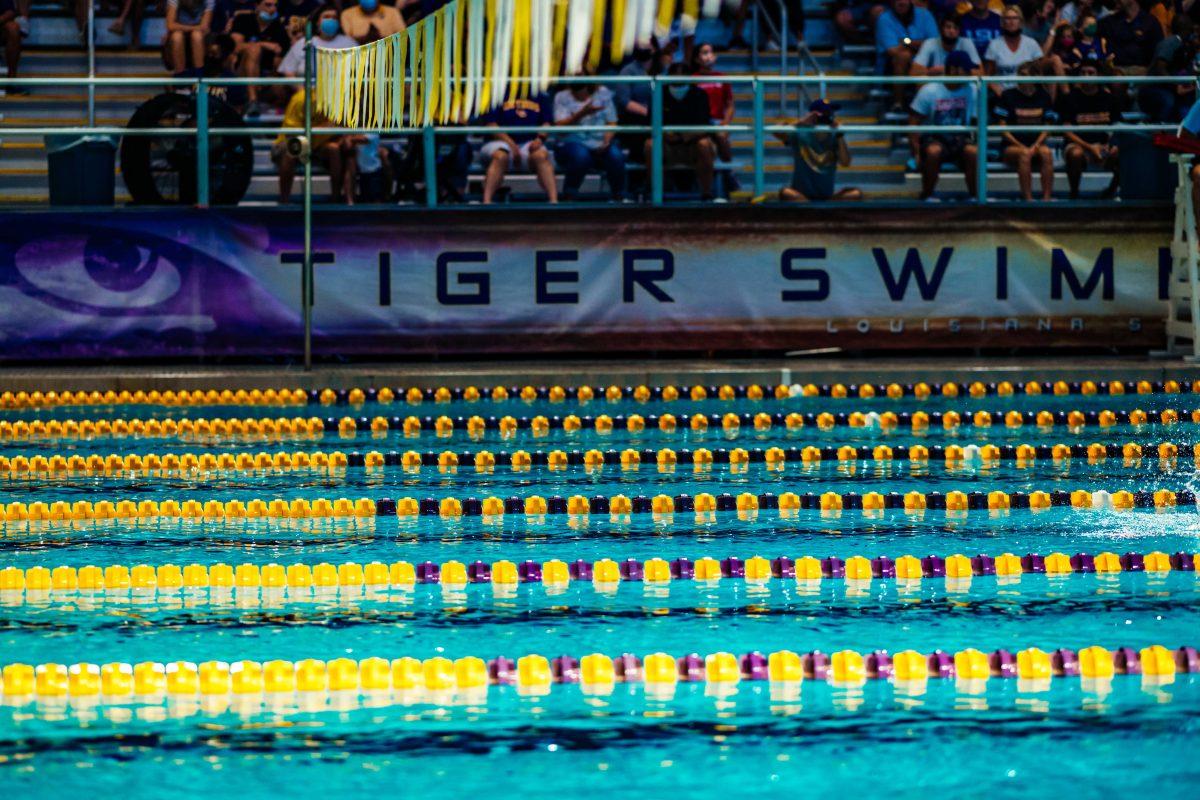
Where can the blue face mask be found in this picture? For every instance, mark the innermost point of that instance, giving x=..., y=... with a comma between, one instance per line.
x=368, y=5
x=678, y=92
x=329, y=27
x=270, y=16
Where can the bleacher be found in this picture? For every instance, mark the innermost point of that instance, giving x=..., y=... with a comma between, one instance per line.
x=54, y=49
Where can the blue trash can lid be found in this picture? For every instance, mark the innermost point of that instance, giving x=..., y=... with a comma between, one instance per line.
x=58, y=142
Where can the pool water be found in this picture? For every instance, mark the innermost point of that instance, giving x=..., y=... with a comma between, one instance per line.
x=1132, y=733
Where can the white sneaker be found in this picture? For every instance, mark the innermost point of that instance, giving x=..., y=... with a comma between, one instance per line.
x=23, y=25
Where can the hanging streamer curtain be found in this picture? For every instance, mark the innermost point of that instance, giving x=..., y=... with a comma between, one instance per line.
x=471, y=55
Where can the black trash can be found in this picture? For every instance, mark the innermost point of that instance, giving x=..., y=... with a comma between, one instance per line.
x=82, y=170
x=1146, y=171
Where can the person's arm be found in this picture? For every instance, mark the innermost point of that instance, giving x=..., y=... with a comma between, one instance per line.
x=920, y=63
x=206, y=19
x=173, y=23
x=727, y=91
x=843, y=149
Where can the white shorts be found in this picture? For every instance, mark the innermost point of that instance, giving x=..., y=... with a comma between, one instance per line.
x=519, y=161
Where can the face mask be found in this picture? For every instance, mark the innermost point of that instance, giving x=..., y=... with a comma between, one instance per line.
x=368, y=5
x=949, y=44
x=678, y=92
x=1090, y=30
x=268, y=16
x=329, y=28
x=1067, y=42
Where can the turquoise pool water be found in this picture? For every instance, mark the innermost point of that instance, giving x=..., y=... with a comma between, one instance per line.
x=1130, y=735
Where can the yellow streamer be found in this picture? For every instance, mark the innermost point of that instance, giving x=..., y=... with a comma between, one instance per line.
x=594, y=47
x=617, y=45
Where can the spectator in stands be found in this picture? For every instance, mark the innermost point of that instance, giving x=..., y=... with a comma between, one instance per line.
x=327, y=34
x=372, y=164
x=219, y=63
x=981, y=25
x=580, y=151
x=260, y=42
x=1132, y=36
x=632, y=100
x=1090, y=44
x=225, y=11
x=931, y=58
x=944, y=104
x=335, y=153
x=1006, y=54
x=850, y=17
x=1027, y=104
x=1089, y=104
x=518, y=149
x=1060, y=54
x=1074, y=11
x=10, y=30
x=294, y=13
x=371, y=20
x=1169, y=102
x=1040, y=21
x=188, y=24
x=899, y=34
x=719, y=94
x=130, y=9
x=816, y=156
x=686, y=104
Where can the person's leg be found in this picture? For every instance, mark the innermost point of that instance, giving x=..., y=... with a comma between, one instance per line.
x=176, y=50
x=138, y=13
x=497, y=168
x=1019, y=160
x=848, y=193
x=349, y=169
x=575, y=159
x=250, y=66
x=612, y=161
x=704, y=154
x=118, y=24
x=337, y=175
x=931, y=166
x=12, y=48
x=739, y=24
x=724, y=148
x=968, y=163
x=196, y=39
x=901, y=61
x=287, y=176
x=1076, y=161
x=790, y=195
x=1046, y=165
x=542, y=165
x=1112, y=162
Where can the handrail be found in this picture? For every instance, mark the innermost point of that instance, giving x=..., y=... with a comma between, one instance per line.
x=805, y=56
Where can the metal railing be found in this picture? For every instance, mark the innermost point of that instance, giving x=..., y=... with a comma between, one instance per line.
x=759, y=127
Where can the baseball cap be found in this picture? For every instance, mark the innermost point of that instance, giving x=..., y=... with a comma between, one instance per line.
x=823, y=106
x=960, y=60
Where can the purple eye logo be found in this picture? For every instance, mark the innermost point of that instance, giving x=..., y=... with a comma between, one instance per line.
x=118, y=264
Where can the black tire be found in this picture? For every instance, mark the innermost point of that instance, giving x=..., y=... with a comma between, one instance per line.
x=161, y=170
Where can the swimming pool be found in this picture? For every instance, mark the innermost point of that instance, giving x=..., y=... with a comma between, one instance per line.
x=811, y=563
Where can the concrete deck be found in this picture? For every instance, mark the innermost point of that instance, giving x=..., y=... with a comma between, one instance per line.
x=598, y=372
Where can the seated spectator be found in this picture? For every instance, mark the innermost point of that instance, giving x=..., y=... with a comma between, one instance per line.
x=10, y=30
x=1132, y=36
x=816, y=156
x=1089, y=104
x=850, y=17
x=1027, y=104
x=931, y=58
x=580, y=151
x=1169, y=102
x=944, y=104
x=1006, y=54
x=899, y=34
x=1039, y=23
x=632, y=100
x=188, y=24
x=371, y=20
x=294, y=13
x=686, y=104
x=719, y=94
x=1074, y=11
x=260, y=42
x=335, y=153
x=372, y=162
x=981, y=25
x=1091, y=45
x=219, y=63
x=1060, y=54
x=327, y=34
x=525, y=151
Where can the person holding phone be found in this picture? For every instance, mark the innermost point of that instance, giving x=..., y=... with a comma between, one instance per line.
x=818, y=149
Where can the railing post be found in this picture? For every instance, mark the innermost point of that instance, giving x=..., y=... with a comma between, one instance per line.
x=306, y=279
x=91, y=35
x=754, y=37
x=429, y=154
x=759, y=144
x=656, y=142
x=981, y=141
x=201, y=144
x=783, y=59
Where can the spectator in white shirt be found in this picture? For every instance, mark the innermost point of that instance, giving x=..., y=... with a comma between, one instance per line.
x=1006, y=54
x=931, y=58
x=327, y=35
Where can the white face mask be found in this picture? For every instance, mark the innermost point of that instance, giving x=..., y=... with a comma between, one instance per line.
x=678, y=92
